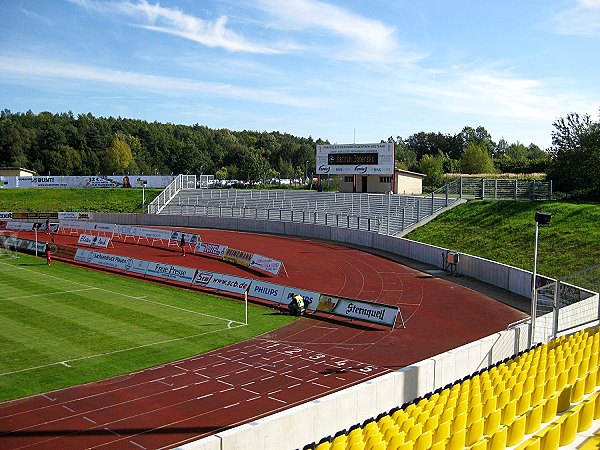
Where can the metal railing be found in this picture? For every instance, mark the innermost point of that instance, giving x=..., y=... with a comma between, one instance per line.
x=497, y=189
x=180, y=182
x=380, y=213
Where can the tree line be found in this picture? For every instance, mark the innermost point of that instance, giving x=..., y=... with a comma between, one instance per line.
x=64, y=144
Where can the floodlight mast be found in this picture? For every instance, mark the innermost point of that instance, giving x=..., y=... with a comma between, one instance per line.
x=542, y=219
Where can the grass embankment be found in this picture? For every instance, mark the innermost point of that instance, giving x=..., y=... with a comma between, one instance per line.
x=63, y=325
x=504, y=231
x=82, y=200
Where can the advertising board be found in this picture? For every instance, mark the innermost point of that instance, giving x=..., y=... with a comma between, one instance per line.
x=364, y=159
x=358, y=309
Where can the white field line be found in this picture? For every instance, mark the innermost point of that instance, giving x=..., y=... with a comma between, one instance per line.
x=230, y=324
x=143, y=298
x=67, y=361
x=49, y=293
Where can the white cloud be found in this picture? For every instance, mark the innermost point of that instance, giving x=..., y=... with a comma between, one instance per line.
x=172, y=21
x=370, y=40
x=26, y=69
x=582, y=19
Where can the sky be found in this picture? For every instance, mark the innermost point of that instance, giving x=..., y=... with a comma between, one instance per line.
x=343, y=71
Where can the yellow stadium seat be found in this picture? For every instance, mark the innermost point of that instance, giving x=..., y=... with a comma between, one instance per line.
x=442, y=432
x=475, y=432
x=407, y=424
x=447, y=415
x=414, y=432
x=357, y=446
x=338, y=446
x=323, y=446
x=537, y=395
x=550, y=388
x=410, y=445
x=379, y=446
x=375, y=442
x=396, y=441
x=399, y=416
x=551, y=437
x=479, y=445
x=459, y=423
x=568, y=427
x=562, y=380
x=497, y=441
x=590, y=380
x=516, y=431
x=534, y=419
x=573, y=374
x=424, y=441
x=492, y=422
x=474, y=414
x=584, y=367
x=457, y=440
x=422, y=418
x=523, y=403
x=550, y=408
x=490, y=406
x=432, y=423
x=586, y=416
x=578, y=391
x=596, y=399
x=509, y=412
x=564, y=399
x=391, y=432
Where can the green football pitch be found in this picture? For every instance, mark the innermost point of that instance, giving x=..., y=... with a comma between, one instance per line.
x=62, y=325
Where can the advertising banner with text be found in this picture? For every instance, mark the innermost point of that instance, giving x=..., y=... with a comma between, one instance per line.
x=94, y=241
x=358, y=309
x=210, y=249
x=265, y=263
x=171, y=272
x=239, y=257
x=222, y=282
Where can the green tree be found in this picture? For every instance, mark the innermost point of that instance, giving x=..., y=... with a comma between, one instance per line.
x=433, y=167
x=118, y=155
x=575, y=163
x=476, y=159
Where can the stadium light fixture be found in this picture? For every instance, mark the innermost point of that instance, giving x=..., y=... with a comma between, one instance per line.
x=542, y=219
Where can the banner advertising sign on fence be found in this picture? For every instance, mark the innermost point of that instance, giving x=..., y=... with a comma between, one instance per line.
x=239, y=257
x=221, y=282
x=210, y=248
x=190, y=238
x=34, y=215
x=101, y=259
x=25, y=226
x=111, y=181
x=5, y=215
x=267, y=291
x=94, y=241
x=265, y=263
x=171, y=272
x=311, y=298
x=74, y=216
x=358, y=309
x=152, y=233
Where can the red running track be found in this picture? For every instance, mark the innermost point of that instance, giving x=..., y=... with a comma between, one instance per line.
x=176, y=403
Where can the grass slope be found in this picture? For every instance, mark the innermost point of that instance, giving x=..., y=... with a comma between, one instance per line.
x=84, y=200
x=504, y=231
x=62, y=325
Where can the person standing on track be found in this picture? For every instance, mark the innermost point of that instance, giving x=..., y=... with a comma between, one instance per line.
x=182, y=244
x=47, y=251
x=48, y=226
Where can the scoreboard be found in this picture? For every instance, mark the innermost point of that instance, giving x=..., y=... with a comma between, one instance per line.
x=355, y=159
